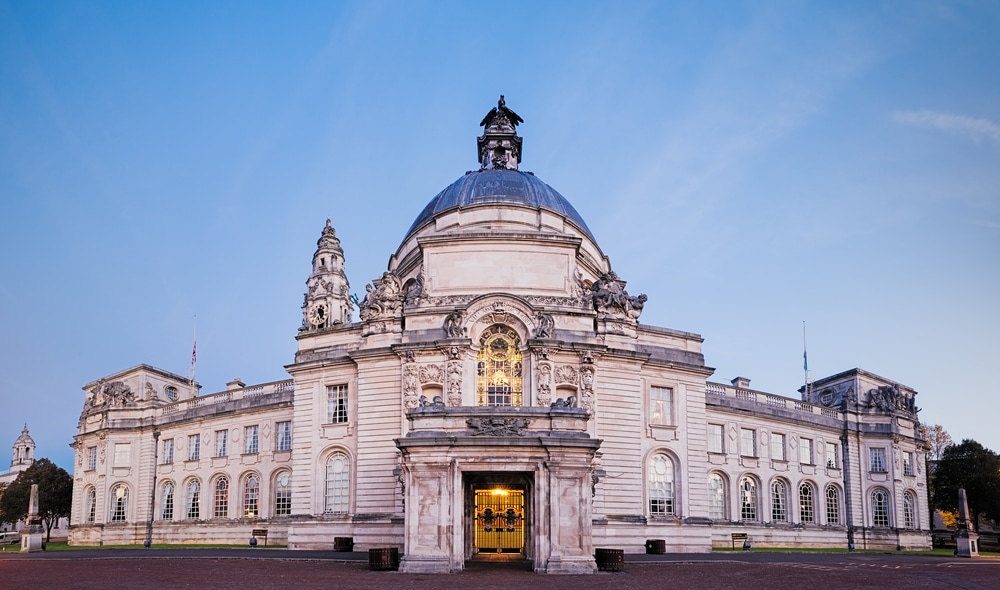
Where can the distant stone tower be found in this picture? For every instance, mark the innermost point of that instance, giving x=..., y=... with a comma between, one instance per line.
x=24, y=452
x=327, y=300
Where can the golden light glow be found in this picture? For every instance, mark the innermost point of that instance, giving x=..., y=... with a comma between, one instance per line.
x=499, y=492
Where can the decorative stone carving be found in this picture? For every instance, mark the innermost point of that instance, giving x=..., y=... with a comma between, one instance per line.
x=383, y=299
x=453, y=325
x=543, y=396
x=567, y=374
x=587, y=384
x=569, y=402
x=546, y=325
x=437, y=403
x=415, y=290
x=410, y=385
x=150, y=393
x=890, y=399
x=494, y=426
x=454, y=383
x=431, y=374
x=611, y=300
x=109, y=395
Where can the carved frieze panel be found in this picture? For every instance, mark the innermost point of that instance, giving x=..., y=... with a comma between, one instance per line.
x=495, y=426
x=543, y=378
x=454, y=383
x=410, y=384
x=432, y=373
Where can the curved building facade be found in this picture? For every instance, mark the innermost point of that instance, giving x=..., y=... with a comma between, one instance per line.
x=495, y=392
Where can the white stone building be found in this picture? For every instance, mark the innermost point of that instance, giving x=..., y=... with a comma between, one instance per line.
x=496, y=394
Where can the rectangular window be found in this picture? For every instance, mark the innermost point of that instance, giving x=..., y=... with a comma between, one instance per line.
x=250, y=435
x=778, y=447
x=716, y=439
x=907, y=463
x=221, y=443
x=194, y=447
x=168, y=451
x=806, y=451
x=336, y=404
x=661, y=401
x=748, y=442
x=123, y=454
x=877, y=460
x=91, y=458
x=284, y=440
x=832, y=459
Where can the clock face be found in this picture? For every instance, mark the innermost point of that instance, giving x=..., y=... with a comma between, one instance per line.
x=317, y=314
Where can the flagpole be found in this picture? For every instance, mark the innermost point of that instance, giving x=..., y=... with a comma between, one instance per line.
x=192, y=373
x=805, y=360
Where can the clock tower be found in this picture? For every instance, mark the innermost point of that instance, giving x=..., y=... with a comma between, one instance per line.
x=327, y=301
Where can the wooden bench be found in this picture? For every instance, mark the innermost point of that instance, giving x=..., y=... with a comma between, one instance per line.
x=260, y=533
x=738, y=537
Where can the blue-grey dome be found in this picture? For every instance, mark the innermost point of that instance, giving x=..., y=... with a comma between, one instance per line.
x=502, y=187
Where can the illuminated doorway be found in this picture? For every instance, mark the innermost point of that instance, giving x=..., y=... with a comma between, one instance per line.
x=499, y=520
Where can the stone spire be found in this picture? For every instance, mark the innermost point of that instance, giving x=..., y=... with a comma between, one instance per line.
x=327, y=301
x=24, y=450
x=500, y=146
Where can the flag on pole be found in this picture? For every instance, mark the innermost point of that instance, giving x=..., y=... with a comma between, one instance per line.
x=194, y=354
x=805, y=361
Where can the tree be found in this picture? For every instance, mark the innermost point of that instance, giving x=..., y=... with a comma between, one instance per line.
x=972, y=466
x=55, y=494
x=938, y=439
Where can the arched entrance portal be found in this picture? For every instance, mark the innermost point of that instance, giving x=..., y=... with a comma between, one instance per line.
x=498, y=513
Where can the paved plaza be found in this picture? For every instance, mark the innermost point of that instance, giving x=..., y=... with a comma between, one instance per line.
x=278, y=568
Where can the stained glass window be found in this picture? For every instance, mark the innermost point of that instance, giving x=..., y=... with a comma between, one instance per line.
x=498, y=381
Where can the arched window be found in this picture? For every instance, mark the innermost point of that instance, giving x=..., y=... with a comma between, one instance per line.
x=807, y=512
x=909, y=518
x=167, y=501
x=779, y=501
x=193, y=500
x=90, y=505
x=338, y=482
x=832, y=505
x=498, y=373
x=716, y=497
x=283, y=494
x=748, y=499
x=660, y=476
x=119, y=503
x=880, y=508
x=221, y=509
x=251, y=496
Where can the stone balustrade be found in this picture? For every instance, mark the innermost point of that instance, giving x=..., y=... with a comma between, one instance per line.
x=769, y=399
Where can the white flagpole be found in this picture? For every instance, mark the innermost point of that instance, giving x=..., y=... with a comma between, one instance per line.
x=192, y=373
x=805, y=360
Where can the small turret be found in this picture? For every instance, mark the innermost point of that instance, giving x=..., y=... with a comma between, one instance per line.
x=327, y=301
x=24, y=451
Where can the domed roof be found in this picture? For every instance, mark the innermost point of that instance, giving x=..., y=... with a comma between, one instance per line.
x=500, y=187
x=25, y=438
x=498, y=181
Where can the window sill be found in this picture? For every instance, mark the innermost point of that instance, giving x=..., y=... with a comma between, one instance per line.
x=283, y=456
x=749, y=461
x=334, y=431
x=662, y=432
x=249, y=458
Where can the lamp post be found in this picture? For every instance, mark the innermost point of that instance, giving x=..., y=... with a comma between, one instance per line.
x=152, y=492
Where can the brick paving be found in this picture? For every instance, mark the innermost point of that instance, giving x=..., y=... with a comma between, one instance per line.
x=303, y=570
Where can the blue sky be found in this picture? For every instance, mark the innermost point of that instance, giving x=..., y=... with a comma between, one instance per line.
x=749, y=166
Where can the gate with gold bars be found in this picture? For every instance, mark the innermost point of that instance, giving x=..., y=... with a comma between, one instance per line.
x=499, y=521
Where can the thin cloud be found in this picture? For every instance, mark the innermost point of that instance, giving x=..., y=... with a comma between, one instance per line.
x=974, y=129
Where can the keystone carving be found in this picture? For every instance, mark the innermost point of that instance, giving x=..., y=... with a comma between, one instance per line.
x=494, y=426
